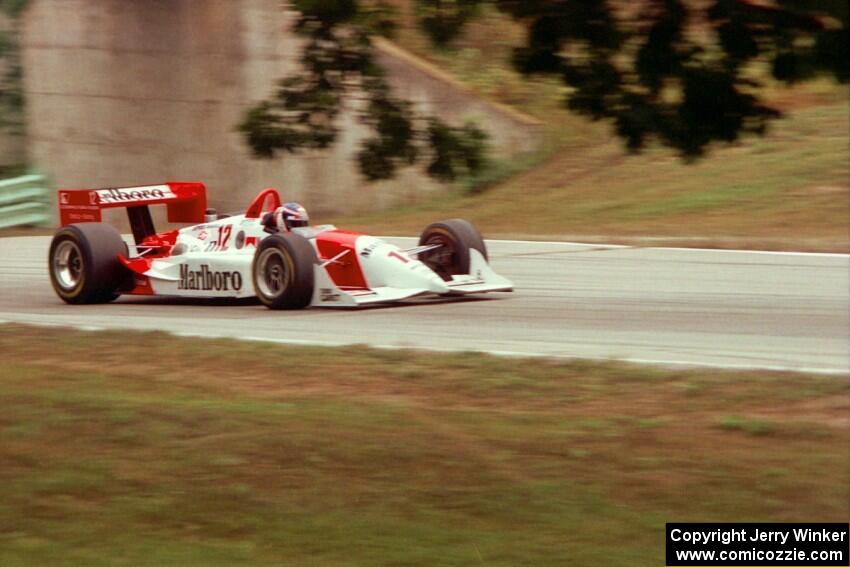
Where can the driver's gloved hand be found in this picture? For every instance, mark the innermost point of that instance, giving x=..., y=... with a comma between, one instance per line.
x=269, y=224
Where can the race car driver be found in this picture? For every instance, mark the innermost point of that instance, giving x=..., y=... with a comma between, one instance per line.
x=286, y=217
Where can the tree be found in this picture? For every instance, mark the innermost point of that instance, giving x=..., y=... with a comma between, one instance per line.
x=679, y=71
x=11, y=90
x=676, y=71
x=339, y=71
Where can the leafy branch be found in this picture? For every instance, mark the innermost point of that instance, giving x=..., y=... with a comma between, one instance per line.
x=339, y=72
x=676, y=71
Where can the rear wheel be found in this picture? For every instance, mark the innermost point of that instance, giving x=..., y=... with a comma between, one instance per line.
x=283, y=271
x=84, y=265
x=456, y=238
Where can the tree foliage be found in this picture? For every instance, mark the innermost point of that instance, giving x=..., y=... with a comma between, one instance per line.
x=11, y=72
x=339, y=71
x=676, y=71
x=679, y=71
x=443, y=20
x=11, y=90
x=13, y=8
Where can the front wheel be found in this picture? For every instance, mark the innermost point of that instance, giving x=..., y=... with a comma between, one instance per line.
x=455, y=237
x=283, y=271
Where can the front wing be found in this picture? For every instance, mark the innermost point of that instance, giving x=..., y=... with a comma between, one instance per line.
x=481, y=279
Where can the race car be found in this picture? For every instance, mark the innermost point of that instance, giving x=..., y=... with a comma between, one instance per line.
x=270, y=252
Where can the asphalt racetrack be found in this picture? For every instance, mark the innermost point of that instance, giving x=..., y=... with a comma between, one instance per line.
x=661, y=305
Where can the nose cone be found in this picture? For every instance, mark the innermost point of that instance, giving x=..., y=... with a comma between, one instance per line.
x=437, y=285
x=387, y=265
x=414, y=275
x=418, y=276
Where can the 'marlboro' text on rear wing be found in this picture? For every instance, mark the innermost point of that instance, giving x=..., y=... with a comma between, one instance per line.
x=186, y=203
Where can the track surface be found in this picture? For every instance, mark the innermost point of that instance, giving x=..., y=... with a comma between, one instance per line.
x=676, y=306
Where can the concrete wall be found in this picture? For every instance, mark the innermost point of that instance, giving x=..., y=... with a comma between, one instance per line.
x=12, y=150
x=124, y=93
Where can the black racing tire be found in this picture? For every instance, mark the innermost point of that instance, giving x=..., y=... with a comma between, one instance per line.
x=458, y=237
x=282, y=271
x=83, y=263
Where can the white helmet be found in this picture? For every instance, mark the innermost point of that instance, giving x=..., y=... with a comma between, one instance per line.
x=291, y=215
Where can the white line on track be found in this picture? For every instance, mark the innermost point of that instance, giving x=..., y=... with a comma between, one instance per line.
x=598, y=245
x=769, y=252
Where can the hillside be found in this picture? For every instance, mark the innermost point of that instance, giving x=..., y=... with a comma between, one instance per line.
x=787, y=190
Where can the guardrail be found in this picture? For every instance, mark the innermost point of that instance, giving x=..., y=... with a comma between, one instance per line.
x=25, y=200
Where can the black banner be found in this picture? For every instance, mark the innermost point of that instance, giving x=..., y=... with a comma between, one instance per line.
x=758, y=545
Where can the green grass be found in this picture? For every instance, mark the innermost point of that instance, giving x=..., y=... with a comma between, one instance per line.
x=751, y=426
x=146, y=449
x=788, y=190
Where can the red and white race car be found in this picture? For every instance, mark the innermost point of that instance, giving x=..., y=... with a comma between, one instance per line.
x=269, y=252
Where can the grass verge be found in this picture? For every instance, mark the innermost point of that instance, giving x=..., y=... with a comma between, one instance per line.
x=787, y=191
x=146, y=449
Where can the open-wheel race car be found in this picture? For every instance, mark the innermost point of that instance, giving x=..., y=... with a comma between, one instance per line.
x=269, y=252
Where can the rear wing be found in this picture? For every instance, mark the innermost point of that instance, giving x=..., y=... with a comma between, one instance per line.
x=186, y=203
